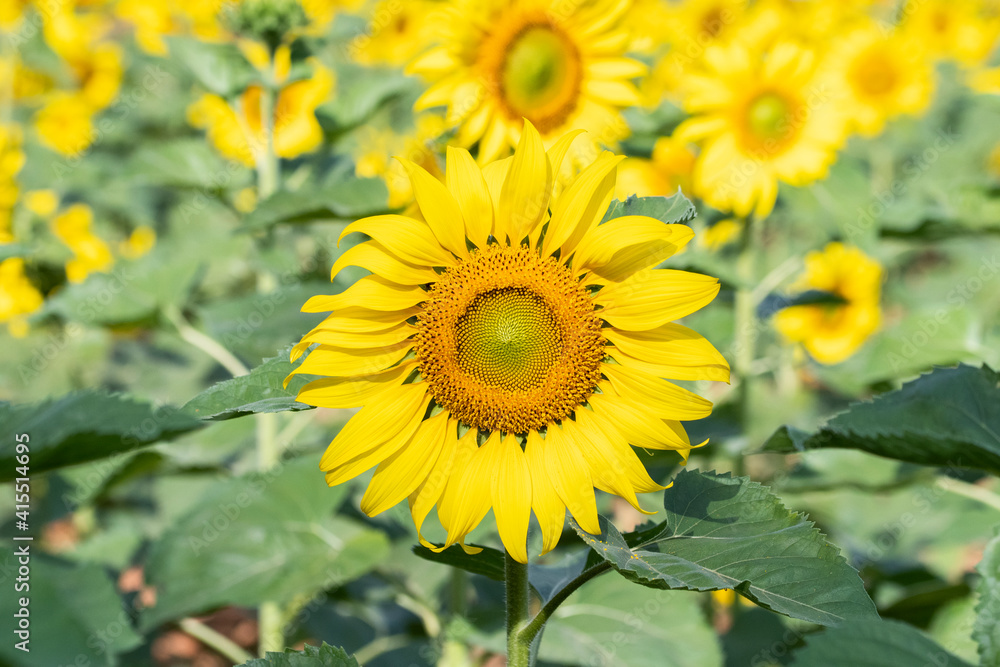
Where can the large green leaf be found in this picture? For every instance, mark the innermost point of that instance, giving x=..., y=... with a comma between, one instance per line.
x=221, y=68
x=873, y=643
x=75, y=615
x=949, y=417
x=346, y=200
x=264, y=536
x=604, y=623
x=309, y=656
x=188, y=162
x=986, y=631
x=671, y=210
x=84, y=426
x=726, y=532
x=489, y=562
x=260, y=390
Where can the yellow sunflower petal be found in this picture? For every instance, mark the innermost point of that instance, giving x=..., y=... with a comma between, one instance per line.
x=596, y=449
x=511, y=491
x=466, y=498
x=373, y=256
x=409, y=239
x=581, y=206
x=663, y=398
x=622, y=246
x=571, y=478
x=640, y=427
x=557, y=153
x=495, y=173
x=524, y=197
x=353, y=391
x=335, y=361
x=438, y=207
x=372, y=292
x=465, y=179
x=654, y=297
x=361, y=320
x=670, y=351
x=386, y=338
x=428, y=492
x=398, y=476
x=390, y=415
x=624, y=456
x=549, y=509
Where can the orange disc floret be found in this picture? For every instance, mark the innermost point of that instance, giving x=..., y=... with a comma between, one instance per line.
x=509, y=341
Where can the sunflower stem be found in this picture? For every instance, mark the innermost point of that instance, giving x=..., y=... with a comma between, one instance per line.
x=268, y=167
x=746, y=323
x=518, y=601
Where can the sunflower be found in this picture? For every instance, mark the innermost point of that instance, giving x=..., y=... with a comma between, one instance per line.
x=668, y=168
x=833, y=332
x=875, y=77
x=965, y=31
x=18, y=297
x=761, y=118
x=560, y=65
x=509, y=351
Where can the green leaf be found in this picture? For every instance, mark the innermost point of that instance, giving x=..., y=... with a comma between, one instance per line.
x=76, y=617
x=263, y=536
x=605, y=624
x=986, y=630
x=258, y=391
x=84, y=426
x=671, y=210
x=489, y=562
x=873, y=643
x=310, y=656
x=8, y=250
x=346, y=200
x=219, y=67
x=188, y=162
x=949, y=417
x=725, y=532
x=772, y=303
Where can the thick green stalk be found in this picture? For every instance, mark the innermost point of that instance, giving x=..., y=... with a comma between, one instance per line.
x=518, y=601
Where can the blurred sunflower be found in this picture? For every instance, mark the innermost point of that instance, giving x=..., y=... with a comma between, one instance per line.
x=90, y=253
x=833, y=332
x=962, y=30
x=238, y=131
x=761, y=118
x=375, y=145
x=668, y=168
x=876, y=77
x=395, y=33
x=18, y=297
x=11, y=161
x=510, y=349
x=561, y=66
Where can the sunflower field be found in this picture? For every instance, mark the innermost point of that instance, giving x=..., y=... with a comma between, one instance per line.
x=412, y=333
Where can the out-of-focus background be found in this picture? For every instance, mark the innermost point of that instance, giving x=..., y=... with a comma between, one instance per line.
x=174, y=177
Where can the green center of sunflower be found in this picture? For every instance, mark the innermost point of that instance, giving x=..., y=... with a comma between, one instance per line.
x=767, y=116
x=508, y=338
x=540, y=75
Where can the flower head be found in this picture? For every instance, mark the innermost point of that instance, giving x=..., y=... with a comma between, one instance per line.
x=509, y=347
x=833, y=332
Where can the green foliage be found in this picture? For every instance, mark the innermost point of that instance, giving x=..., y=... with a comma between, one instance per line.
x=258, y=391
x=346, y=200
x=950, y=417
x=263, y=536
x=84, y=426
x=671, y=210
x=310, y=656
x=75, y=613
x=873, y=643
x=724, y=532
x=221, y=68
x=488, y=563
x=987, y=626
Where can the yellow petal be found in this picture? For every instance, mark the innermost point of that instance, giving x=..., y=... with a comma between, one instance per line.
x=524, y=197
x=372, y=292
x=605, y=467
x=428, y=492
x=495, y=173
x=549, y=508
x=625, y=459
x=466, y=498
x=373, y=339
x=511, y=491
x=570, y=477
x=558, y=151
x=581, y=206
x=670, y=351
x=334, y=361
x=409, y=239
x=615, y=93
x=389, y=415
x=355, y=391
x=640, y=427
x=398, y=476
x=465, y=180
x=438, y=207
x=651, y=298
x=622, y=246
x=360, y=320
x=616, y=68
x=373, y=256
x=663, y=398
